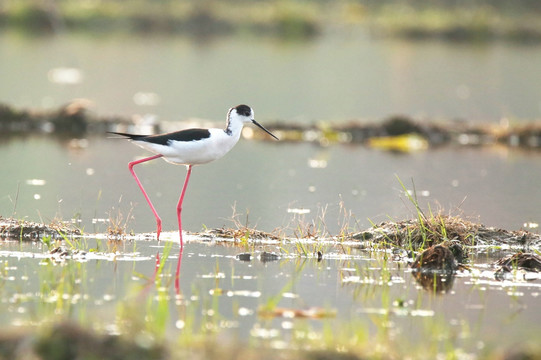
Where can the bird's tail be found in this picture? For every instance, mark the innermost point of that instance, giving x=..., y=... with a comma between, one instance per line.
x=128, y=136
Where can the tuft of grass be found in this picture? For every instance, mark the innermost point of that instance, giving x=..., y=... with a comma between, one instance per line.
x=241, y=231
x=117, y=224
x=432, y=228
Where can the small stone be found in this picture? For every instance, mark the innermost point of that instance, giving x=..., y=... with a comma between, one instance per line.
x=244, y=257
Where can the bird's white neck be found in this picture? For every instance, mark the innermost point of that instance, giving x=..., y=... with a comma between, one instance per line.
x=234, y=127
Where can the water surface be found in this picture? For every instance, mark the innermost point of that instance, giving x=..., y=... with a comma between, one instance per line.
x=333, y=77
x=355, y=292
x=267, y=182
x=271, y=185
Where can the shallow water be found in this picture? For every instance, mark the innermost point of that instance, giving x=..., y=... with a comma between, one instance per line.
x=350, y=292
x=271, y=185
x=268, y=183
x=224, y=295
x=334, y=77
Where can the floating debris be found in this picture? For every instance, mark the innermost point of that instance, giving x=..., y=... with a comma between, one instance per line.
x=290, y=313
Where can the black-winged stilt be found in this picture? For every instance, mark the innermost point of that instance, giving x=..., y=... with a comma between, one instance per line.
x=191, y=147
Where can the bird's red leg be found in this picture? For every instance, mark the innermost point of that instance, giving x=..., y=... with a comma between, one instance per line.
x=177, y=274
x=158, y=220
x=179, y=205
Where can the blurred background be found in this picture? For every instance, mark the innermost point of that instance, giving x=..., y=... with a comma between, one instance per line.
x=184, y=63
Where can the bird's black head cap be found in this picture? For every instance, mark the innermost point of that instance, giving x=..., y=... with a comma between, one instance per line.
x=243, y=110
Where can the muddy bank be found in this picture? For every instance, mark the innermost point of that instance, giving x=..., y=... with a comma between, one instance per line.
x=396, y=133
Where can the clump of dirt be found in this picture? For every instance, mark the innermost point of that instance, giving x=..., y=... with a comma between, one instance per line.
x=416, y=234
x=434, y=269
x=520, y=260
x=437, y=257
x=27, y=230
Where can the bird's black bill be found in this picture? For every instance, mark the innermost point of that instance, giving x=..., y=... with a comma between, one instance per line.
x=265, y=130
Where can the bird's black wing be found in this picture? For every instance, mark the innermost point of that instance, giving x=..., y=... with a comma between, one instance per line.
x=183, y=135
x=164, y=139
x=129, y=136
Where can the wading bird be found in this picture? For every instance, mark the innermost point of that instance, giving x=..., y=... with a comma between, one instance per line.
x=191, y=147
